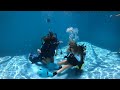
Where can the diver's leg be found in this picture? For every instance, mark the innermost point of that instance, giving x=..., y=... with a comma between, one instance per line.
x=44, y=61
x=62, y=62
x=62, y=69
x=59, y=71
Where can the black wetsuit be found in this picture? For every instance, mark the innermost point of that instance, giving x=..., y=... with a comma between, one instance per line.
x=47, y=51
x=73, y=61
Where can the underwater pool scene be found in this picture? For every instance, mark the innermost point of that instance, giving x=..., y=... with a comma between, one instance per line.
x=21, y=33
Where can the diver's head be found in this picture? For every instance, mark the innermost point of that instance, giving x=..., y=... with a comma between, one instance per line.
x=76, y=48
x=48, y=38
x=72, y=44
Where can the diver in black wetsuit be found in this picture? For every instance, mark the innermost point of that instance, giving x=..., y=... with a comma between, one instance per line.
x=75, y=57
x=47, y=51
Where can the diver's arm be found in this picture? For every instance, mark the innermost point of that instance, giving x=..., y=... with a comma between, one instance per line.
x=83, y=56
x=81, y=62
x=56, y=51
x=44, y=61
x=58, y=42
x=68, y=50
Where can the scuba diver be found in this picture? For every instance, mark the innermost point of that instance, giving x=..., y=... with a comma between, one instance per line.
x=75, y=58
x=118, y=52
x=115, y=15
x=75, y=55
x=48, y=49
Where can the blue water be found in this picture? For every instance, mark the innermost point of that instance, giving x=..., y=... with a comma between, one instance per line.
x=21, y=31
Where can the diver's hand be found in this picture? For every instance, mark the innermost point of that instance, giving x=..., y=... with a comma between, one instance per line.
x=38, y=50
x=60, y=41
x=56, y=52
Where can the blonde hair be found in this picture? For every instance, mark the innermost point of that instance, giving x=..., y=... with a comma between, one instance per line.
x=76, y=48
